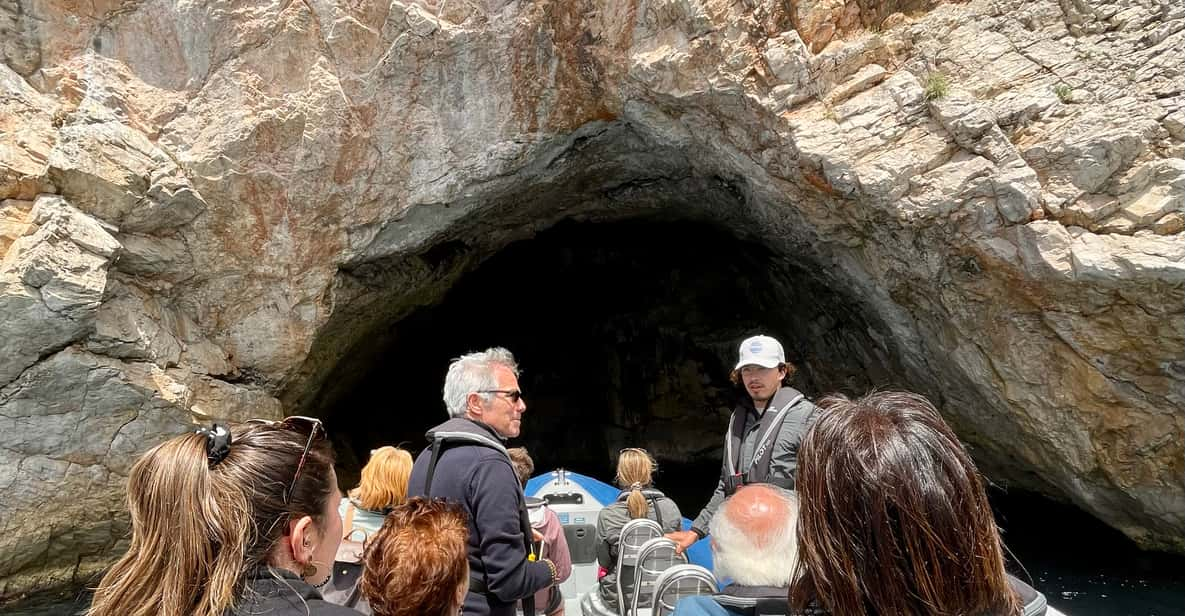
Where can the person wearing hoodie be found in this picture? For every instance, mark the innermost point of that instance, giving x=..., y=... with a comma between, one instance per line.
x=764, y=431
x=467, y=463
x=549, y=532
x=638, y=499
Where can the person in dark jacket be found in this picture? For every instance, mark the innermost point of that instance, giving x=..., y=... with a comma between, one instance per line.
x=764, y=431
x=230, y=523
x=468, y=464
x=638, y=499
x=755, y=547
x=894, y=518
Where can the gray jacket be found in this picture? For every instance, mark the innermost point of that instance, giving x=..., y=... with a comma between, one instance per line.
x=783, y=450
x=609, y=524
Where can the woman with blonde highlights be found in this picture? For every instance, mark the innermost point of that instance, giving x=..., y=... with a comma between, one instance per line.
x=382, y=488
x=638, y=499
x=227, y=523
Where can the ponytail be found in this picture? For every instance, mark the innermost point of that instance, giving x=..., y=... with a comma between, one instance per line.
x=189, y=530
x=635, y=469
x=201, y=526
x=636, y=502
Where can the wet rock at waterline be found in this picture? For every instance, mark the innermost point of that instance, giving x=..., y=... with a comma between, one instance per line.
x=208, y=211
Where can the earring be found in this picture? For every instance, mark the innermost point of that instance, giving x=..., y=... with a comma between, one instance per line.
x=308, y=569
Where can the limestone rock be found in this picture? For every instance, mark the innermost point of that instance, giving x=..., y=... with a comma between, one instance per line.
x=135, y=326
x=1088, y=153
x=788, y=58
x=1045, y=249
x=248, y=195
x=154, y=257
x=116, y=174
x=14, y=221
x=1171, y=224
x=26, y=137
x=53, y=282
x=1175, y=124
x=1157, y=190
x=866, y=77
x=819, y=21
x=1118, y=258
x=74, y=424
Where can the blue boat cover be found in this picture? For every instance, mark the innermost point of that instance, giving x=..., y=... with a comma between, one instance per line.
x=699, y=553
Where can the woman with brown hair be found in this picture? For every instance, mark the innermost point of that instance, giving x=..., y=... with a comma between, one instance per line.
x=383, y=486
x=894, y=517
x=418, y=564
x=638, y=499
x=227, y=523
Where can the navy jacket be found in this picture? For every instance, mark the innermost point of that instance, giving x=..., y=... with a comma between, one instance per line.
x=481, y=479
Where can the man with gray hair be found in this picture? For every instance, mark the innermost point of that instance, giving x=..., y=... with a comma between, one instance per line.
x=467, y=463
x=754, y=547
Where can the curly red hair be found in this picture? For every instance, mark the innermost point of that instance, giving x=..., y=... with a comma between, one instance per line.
x=417, y=560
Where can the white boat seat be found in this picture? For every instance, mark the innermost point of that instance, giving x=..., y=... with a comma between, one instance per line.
x=678, y=582
x=654, y=558
x=635, y=534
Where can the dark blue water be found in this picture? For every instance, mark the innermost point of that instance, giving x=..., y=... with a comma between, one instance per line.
x=1084, y=567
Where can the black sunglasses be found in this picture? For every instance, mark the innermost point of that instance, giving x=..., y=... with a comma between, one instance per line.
x=300, y=424
x=513, y=395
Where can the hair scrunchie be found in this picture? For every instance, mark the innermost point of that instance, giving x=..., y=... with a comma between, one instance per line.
x=217, y=442
x=635, y=486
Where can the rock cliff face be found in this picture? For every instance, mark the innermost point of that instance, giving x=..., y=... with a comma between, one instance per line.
x=209, y=208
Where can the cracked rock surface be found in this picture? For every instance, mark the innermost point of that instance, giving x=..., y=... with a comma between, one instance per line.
x=206, y=207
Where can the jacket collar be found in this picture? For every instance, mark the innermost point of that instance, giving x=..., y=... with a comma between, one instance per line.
x=468, y=430
x=466, y=426
x=648, y=492
x=781, y=397
x=273, y=581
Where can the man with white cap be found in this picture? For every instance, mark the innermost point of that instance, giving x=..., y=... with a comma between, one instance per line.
x=764, y=431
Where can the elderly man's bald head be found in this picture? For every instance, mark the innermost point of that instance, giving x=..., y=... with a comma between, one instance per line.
x=753, y=536
x=761, y=511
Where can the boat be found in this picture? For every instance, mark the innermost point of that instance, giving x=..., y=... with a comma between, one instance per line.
x=577, y=500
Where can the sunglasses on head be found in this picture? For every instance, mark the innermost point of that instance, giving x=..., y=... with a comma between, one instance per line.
x=302, y=425
x=513, y=395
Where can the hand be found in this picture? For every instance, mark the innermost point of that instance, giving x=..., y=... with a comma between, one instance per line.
x=536, y=535
x=683, y=539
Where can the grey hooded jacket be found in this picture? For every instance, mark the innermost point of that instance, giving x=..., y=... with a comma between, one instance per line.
x=609, y=524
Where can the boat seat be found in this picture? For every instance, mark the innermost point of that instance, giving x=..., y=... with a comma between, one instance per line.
x=634, y=535
x=678, y=582
x=582, y=543
x=654, y=558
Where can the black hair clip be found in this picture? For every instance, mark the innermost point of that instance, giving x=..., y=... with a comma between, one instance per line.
x=217, y=442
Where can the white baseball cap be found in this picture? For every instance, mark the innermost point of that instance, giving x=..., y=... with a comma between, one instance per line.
x=761, y=351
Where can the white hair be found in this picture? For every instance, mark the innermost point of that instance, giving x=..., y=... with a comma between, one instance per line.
x=767, y=558
x=473, y=373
